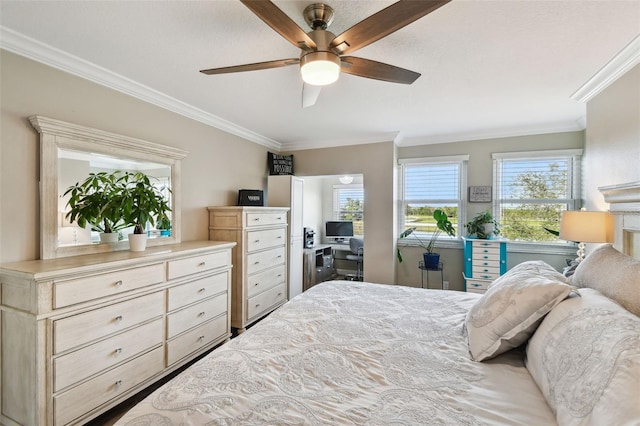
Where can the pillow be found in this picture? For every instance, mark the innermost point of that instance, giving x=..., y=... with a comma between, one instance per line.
x=613, y=274
x=585, y=358
x=511, y=309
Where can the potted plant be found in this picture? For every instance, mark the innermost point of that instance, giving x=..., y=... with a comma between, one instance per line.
x=483, y=225
x=94, y=202
x=443, y=224
x=141, y=202
x=164, y=225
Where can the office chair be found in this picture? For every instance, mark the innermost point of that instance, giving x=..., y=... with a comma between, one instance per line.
x=356, y=245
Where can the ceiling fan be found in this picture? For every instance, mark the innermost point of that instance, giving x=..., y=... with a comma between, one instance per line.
x=322, y=57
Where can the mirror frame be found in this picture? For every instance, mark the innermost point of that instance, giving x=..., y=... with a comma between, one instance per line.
x=56, y=134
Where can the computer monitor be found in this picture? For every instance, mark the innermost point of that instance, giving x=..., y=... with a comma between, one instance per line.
x=338, y=230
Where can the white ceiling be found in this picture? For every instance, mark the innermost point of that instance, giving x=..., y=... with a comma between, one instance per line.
x=489, y=68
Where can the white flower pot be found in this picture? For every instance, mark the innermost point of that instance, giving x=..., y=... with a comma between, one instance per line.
x=137, y=242
x=109, y=238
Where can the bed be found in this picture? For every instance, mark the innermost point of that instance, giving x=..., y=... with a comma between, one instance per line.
x=536, y=349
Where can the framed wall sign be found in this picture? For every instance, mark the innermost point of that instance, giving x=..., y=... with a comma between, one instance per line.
x=480, y=194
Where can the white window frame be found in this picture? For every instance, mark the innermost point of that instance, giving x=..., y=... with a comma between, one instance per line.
x=336, y=201
x=443, y=240
x=574, y=184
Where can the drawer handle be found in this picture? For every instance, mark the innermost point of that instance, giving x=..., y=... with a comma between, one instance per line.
x=118, y=351
x=279, y=256
x=256, y=241
x=200, y=339
x=256, y=219
x=117, y=384
x=279, y=237
x=257, y=262
x=279, y=275
x=118, y=283
x=118, y=318
x=279, y=218
x=279, y=294
x=202, y=290
x=257, y=305
x=201, y=314
x=256, y=284
x=201, y=263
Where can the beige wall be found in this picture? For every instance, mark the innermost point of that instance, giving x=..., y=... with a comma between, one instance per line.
x=480, y=172
x=612, y=154
x=376, y=163
x=218, y=164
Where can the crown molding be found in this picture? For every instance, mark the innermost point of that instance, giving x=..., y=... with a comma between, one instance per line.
x=622, y=62
x=28, y=47
x=382, y=137
x=571, y=126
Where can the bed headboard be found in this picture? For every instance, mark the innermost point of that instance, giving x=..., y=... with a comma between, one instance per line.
x=624, y=203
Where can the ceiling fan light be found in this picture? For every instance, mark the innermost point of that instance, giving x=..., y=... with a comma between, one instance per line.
x=320, y=68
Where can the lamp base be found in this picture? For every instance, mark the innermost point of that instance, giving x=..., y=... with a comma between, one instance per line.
x=580, y=252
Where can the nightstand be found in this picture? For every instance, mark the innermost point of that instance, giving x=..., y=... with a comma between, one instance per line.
x=484, y=261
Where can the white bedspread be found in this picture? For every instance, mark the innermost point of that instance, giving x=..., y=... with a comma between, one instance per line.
x=347, y=353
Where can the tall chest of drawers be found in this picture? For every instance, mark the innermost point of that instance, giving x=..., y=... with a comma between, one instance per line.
x=484, y=261
x=81, y=334
x=259, y=283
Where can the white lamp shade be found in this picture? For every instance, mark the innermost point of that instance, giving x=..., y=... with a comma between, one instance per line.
x=587, y=227
x=320, y=68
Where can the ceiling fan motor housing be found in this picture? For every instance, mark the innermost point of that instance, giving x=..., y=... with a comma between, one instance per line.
x=318, y=15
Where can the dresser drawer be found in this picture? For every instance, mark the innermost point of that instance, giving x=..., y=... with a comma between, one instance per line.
x=262, y=260
x=73, y=403
x=265, y=219
x=262, y=281
x=195, y=339
x=187, y=318
x=485, y=272
x=83, y=328
x=477, y=286
x=200, y=289
x=79, y=290
x=481, y=244
x=78, y=365
x=265, y=300
x=193, y=265
x=258, y=240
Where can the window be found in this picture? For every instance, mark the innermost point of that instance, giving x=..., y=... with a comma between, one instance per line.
x=428, y=184
x=348, y=204
x=531, y=191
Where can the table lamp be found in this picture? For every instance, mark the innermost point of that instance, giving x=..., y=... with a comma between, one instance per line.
x=586, y=227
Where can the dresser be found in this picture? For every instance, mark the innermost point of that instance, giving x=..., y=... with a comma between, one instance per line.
x=484, y=261
x=81, y=334
x=259, y=282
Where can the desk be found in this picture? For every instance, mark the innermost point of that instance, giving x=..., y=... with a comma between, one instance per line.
x=317, y=265
x=424, y=269
x=343, y=265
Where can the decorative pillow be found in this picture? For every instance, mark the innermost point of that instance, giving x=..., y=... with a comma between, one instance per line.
x=613, y=274
x=511, y=309
x=585, y=358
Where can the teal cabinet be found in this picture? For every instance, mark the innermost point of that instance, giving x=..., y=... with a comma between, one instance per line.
x=484, y=261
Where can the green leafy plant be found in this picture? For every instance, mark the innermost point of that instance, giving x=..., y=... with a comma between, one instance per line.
x=141, y=201
x=95, y=202
x=477, y=225
x=443, y=224
x=163, y=222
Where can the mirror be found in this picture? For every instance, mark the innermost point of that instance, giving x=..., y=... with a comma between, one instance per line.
x=68, y=153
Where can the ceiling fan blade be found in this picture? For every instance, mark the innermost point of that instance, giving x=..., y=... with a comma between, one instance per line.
x=252, y=67
x=377, y=70
x=383, y=23
x=280, y=22
x=310, y=95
